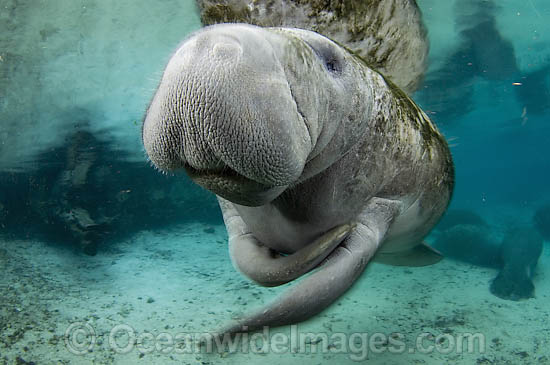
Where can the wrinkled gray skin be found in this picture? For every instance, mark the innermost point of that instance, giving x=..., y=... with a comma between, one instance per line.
x=389, y=34
x=317, y=161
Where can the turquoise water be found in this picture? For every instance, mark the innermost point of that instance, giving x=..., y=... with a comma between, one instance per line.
x=93, y=239
x=499, y=126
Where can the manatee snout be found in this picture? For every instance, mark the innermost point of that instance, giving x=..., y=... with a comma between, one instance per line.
x=227, y=49
x=224, y=111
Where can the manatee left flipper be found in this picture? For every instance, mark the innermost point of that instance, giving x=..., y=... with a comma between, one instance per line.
x=419, y=255
x=267, y=267
x=334, y=276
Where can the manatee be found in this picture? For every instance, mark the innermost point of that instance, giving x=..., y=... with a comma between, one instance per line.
x=471, y=243
x=520, y=251
x=515, y=257
x=319, y=162
x=389, y=35
x=455, y=217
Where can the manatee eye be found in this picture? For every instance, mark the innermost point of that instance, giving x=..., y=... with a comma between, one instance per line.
x=330, y=59
x=332, y=66
x=328, y=54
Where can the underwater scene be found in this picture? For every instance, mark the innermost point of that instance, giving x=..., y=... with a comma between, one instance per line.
x=274, y=181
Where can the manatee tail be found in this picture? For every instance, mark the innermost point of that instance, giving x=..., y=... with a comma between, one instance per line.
x=520, y=251
x=330, y=280
x=513, y=283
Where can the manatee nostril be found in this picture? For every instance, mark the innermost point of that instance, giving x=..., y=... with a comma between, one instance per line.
x=227, y=50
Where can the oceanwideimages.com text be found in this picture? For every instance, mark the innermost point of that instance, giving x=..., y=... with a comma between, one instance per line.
x=81, y=338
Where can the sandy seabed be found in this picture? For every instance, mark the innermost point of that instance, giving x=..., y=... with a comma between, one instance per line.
x=144, y=301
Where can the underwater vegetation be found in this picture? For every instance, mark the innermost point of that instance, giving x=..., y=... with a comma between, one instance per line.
x=466, y=237
x=87, y=194
x=542, y=221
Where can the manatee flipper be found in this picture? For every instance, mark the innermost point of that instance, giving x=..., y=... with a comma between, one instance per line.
x=419, y=255
x=267, y=267
x=334, y=276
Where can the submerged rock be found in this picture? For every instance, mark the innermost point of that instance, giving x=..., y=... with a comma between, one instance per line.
x=87, y=195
